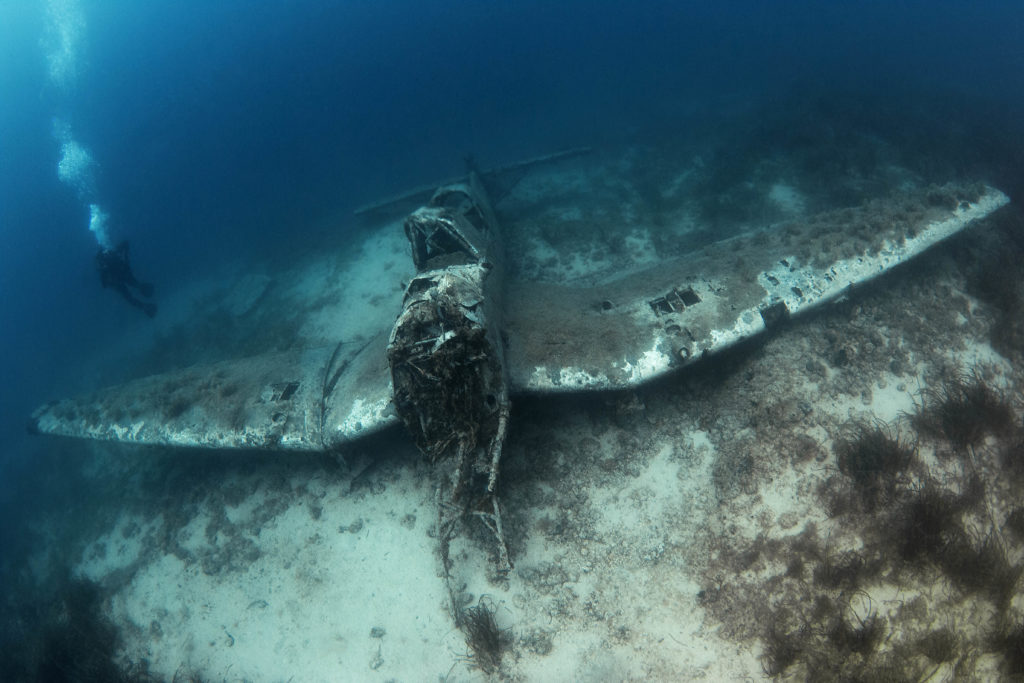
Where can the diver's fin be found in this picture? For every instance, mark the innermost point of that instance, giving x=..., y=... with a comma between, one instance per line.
x=630, y=330
x=310, y=400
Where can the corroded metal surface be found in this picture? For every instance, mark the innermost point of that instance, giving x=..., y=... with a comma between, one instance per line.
x=447, y=357
x=275, y=402
x=636, y=328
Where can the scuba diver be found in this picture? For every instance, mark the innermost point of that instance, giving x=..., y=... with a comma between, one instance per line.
x=116, y=272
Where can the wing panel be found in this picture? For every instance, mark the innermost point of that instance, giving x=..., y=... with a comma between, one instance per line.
x=627, y=331
x=359, y=400
x=274, y=401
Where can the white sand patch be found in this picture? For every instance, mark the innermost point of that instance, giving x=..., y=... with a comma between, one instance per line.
x=306, y=607
x=682, y=180
x=641, y=249
x=980, y=355
x=568, y=179
x=119, y=548
x=787, y=198
x=619, y=604
x=246, y=293
x=644, y=498
x=786, y=504
x=363, y=294
x=889, y=399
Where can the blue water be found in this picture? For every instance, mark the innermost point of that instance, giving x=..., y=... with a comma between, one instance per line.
x=215, y=128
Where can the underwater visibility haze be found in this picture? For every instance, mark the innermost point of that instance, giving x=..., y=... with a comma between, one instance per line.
x=231, y=143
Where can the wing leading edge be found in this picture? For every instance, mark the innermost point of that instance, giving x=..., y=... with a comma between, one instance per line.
x=636, y=328
x=309, y=400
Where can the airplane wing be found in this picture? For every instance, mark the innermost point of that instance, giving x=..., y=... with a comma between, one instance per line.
x=629, y=330
x=309, y=400
x=612, y=334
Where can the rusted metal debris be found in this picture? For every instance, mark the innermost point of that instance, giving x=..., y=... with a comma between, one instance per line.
x=447, y=358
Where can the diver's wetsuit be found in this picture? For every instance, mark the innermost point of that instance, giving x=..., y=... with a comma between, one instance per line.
x=116, y=272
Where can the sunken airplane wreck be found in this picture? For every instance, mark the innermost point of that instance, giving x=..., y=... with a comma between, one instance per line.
x=467, y=339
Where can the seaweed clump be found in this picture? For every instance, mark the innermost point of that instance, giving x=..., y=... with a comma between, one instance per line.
x=912, y=526
x=874, y=455
x=483, y=637
x=1011, y=646
x=997, y=280
x=975, y=565
x=782, y=649
x=927, y=529
x=964, y=411
x=1012, y=457
x=832, y=641
x=939, y=645
x=846, y=571
x=1015, y=523
x=862, y=638
x=926, y=525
